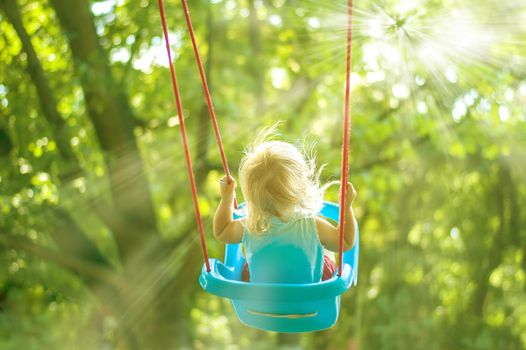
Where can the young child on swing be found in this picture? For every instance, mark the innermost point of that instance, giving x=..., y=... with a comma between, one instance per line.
x=283, y=196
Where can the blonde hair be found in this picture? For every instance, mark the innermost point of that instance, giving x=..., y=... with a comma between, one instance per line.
x=277, y=179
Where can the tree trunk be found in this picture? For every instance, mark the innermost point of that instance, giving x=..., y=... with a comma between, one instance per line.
x=112, y=118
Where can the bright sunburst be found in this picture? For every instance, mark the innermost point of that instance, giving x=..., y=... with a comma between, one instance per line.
x=416, y=35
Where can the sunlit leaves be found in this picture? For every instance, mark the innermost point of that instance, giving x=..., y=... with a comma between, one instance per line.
x=438, y=95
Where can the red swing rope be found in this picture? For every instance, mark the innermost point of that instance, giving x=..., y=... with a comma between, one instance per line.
x=183, y=135
x=346, y=136
x=206, y=90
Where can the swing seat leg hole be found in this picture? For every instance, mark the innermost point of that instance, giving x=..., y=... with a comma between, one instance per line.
x=291, y=316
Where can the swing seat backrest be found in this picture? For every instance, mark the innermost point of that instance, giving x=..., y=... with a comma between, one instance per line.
x=282, y=307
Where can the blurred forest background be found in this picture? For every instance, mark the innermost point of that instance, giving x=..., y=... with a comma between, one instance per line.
x=98, y=241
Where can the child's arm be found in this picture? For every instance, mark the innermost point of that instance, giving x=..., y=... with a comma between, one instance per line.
x=329, y=235
x=226, y=229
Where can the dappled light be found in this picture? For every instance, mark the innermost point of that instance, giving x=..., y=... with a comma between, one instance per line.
x=99, y=246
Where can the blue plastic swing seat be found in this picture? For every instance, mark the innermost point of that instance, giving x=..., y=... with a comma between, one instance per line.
x=282, y=307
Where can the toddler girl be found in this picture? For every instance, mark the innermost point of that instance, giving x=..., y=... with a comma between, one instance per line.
x=283, y=196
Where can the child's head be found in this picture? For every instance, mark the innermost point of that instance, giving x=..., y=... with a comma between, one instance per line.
x=276, y=179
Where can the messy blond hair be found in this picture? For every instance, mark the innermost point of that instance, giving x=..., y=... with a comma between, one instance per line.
x=277, y=179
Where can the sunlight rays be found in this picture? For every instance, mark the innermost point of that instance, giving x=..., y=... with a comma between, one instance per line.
x=453, y=49
x=171, y=162
x=434, y=38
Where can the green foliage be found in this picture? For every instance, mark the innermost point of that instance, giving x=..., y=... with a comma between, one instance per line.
x=437, y=157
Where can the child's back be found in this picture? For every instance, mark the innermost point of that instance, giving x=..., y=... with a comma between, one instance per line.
x=288, y=252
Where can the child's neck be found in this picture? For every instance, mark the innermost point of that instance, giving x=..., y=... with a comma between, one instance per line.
x=286, y=214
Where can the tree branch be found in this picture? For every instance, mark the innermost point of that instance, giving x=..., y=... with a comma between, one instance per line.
x=45, y=94
x=86, y=269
